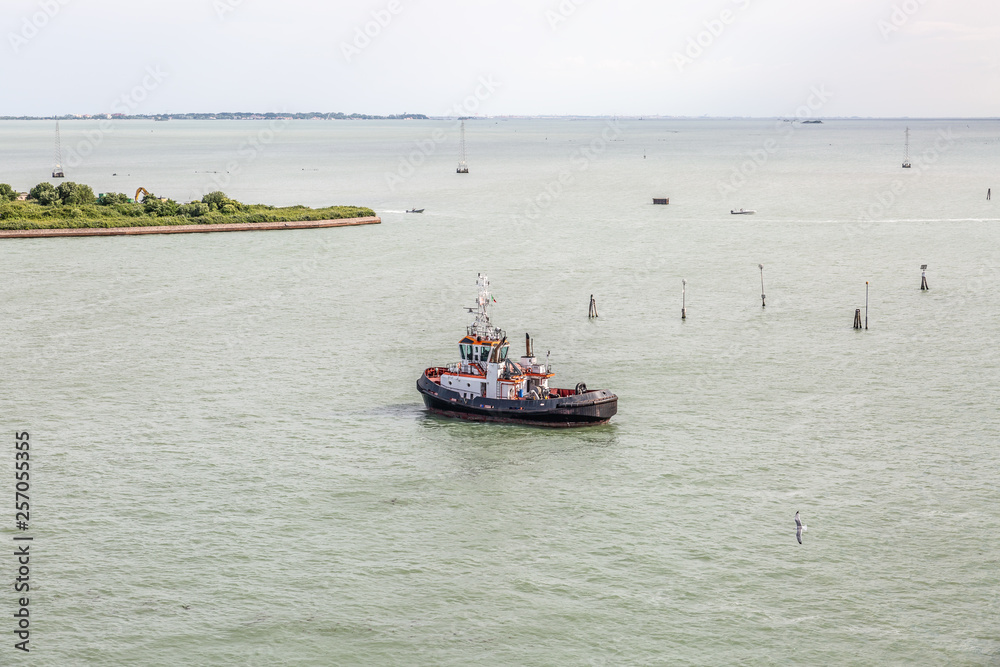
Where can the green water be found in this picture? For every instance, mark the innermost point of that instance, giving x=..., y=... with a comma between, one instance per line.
x=231, y=464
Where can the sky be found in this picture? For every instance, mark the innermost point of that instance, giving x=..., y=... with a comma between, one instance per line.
x=762, y=58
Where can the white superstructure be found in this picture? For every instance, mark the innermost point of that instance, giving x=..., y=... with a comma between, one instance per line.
x=485, y=370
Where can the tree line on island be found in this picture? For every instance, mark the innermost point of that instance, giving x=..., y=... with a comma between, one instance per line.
x=230, y=115
x=72, y=204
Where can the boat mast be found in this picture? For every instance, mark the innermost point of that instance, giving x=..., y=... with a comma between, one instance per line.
x=482, y=327
x=463, y=165
x=57, y=171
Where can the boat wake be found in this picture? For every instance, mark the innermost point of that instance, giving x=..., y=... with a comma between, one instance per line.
x=842, y=221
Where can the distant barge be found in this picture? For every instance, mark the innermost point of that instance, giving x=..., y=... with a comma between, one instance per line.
x=487, y=386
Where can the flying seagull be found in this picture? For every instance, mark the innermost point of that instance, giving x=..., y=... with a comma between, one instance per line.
x=799, y=528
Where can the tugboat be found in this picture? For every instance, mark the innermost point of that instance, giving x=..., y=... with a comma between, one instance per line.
x=487, y=386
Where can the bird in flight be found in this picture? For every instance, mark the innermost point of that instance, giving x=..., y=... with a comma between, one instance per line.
x=799, y=528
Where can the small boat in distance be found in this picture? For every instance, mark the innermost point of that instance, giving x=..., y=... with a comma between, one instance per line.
x=414, y=210
x=487, y=386
x=743, y=212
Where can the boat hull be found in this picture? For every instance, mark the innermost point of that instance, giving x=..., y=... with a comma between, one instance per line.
x=591, y=408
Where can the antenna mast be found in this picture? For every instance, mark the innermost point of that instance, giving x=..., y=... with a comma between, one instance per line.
x=906, y=151
x=463, y=165
x=57, y=171
x=483, y=328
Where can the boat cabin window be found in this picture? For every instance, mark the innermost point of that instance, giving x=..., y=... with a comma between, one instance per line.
x=503, y=353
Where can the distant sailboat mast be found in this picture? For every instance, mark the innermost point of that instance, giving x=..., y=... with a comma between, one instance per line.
x=463, y=165
x=57, y=171
x=906, y=151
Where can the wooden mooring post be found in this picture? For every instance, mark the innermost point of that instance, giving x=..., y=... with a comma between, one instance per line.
x=923, y=278
x=593, y=308
x=857, y=318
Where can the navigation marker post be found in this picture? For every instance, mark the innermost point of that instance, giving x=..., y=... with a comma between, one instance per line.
x=923, y=278
x=593, y=308
x=683, y=298
x=762, y=304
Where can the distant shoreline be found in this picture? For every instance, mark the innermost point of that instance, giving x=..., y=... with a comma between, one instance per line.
x=187, y=229
x=222, y=116
x=496, y=117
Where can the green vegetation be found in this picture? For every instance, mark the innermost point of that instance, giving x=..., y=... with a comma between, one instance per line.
x=73, y=205
x=235, y=115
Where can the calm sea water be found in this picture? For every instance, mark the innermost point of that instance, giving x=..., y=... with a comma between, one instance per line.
x=232, y=464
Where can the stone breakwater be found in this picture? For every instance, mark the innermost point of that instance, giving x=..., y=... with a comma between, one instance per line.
x=187, y=229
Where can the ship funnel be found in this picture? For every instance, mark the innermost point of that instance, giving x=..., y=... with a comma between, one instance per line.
x=527, y=345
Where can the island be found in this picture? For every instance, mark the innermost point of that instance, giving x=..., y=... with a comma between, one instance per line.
x=72, y=209
x=226, y=115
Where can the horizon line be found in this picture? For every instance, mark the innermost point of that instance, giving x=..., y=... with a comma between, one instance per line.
x=271, y=115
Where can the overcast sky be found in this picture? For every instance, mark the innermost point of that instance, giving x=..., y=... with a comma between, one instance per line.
x=720, y=58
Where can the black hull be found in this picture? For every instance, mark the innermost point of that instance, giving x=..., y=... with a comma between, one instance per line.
x=591, y=408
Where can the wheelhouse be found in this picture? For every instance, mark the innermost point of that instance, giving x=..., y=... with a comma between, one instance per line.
x=474, y=349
